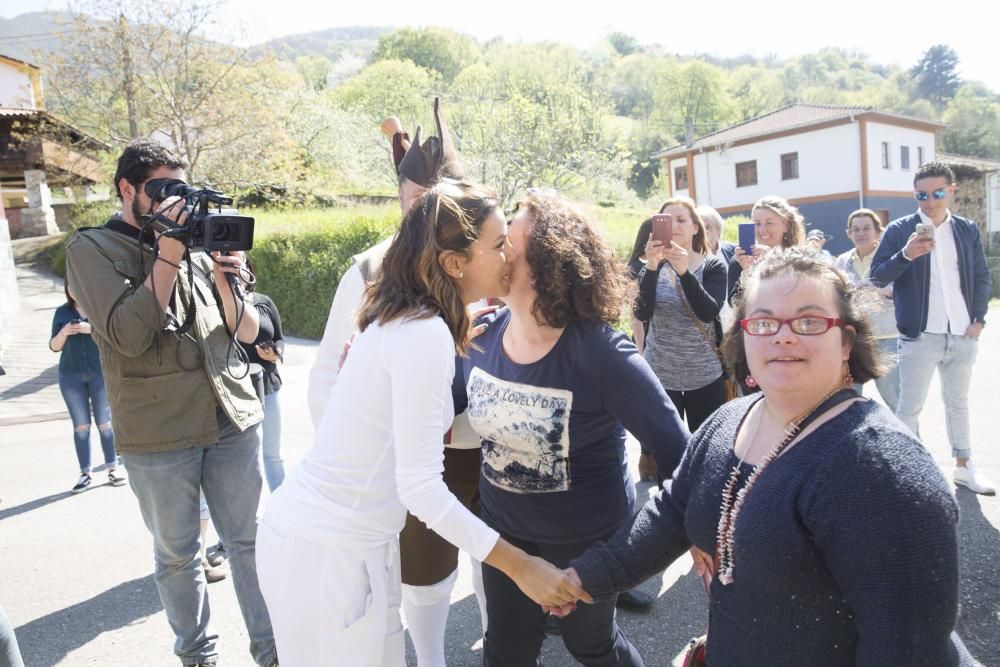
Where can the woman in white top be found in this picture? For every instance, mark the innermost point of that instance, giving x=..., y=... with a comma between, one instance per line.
x=327, y=545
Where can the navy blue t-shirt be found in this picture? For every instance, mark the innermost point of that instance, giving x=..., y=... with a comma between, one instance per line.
x=79, y=353
x=554, y=463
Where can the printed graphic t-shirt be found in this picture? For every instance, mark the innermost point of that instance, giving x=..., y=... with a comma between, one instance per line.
x=554, y=461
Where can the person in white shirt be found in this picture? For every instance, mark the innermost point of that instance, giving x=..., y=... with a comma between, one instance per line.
x=941, y=288
x=327, y=547
x=428, y=563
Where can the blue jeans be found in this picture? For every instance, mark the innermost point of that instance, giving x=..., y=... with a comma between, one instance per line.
x=10, y=654
x=274, y=467
x=953, y=357
x=888, y=384
x=81, y=391
x=168, y=487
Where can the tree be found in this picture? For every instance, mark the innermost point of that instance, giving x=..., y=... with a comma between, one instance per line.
x=936, y=74
x=624, y=44
x=754, y=91
x=150, y=70
x=443, y=51
x=315, y=70
x=526, y=117
x=390, y=87
x=973, y=125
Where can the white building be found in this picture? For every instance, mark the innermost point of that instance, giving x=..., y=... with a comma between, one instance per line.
x=827, y=160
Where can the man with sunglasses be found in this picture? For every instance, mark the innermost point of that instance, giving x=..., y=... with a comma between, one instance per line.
x=185, y=420
x=941, y=292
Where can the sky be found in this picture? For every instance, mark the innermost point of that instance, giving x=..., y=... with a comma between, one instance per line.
x=890, y=31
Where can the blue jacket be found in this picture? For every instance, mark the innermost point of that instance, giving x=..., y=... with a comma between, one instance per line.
x=912, y=280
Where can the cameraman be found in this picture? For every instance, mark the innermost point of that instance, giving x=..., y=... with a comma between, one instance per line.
x=184, y=418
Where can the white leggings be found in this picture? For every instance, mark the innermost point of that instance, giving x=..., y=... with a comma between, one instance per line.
x=331, y=605
x=426, y=611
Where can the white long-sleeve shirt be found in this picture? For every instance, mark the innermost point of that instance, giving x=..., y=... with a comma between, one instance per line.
x=340, y=326
x=378, y=452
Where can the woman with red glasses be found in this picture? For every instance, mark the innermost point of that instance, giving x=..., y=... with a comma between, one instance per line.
x=829, y=526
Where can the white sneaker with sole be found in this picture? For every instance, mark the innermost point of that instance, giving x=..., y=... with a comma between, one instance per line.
x=973, y=480
x=116, y=477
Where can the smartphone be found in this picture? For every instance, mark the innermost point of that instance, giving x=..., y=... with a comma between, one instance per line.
x=663, y=228
x=748, y=236
x=925, y=229
x=273, y=348
x=75, y=321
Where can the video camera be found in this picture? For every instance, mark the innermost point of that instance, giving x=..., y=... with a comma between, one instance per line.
x=220, y=229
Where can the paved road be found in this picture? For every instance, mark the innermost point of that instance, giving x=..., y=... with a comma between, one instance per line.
x=76, y=571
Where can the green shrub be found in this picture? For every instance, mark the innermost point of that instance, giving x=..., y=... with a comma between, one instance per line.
x=300, y=270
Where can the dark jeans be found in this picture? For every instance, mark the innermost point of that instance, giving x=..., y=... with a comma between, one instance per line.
x=517, y=625
x=81, y=391
x=696, y=405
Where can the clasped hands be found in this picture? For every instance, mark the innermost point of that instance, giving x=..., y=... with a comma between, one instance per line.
x=657, y=253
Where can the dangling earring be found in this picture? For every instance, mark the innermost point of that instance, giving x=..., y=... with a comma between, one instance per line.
x=750, y=382
x=848, y=378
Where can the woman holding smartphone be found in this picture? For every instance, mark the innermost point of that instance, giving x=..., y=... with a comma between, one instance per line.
x=82, y=385
x=681, y=290
x=777, y=224
x=327, y=548
x=550, y=388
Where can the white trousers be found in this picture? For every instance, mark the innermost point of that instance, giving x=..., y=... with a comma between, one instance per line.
x=331, y=605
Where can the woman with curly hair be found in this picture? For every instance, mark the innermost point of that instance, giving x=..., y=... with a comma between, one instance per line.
x=550, y=390
x=327, y=547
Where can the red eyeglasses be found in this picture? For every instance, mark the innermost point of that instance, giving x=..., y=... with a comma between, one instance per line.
x=807, y=325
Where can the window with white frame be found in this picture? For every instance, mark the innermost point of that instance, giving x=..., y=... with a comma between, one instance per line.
x=904, y=158
x=920, y=156
x=885, y=155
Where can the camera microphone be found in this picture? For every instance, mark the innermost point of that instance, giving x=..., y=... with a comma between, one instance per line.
x=237, y=286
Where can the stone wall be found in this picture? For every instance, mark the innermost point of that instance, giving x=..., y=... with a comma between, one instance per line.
x=970, y=197
x=994, y=264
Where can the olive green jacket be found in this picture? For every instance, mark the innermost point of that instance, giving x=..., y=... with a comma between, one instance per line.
x=163, y=389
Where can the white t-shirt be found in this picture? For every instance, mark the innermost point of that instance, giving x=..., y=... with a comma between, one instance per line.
x=378, y=452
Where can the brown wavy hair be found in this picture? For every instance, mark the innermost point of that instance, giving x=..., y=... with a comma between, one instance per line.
x=574, y=270
x=853, y=306
x=699, y=242
x=795, y=234
x=411, y=281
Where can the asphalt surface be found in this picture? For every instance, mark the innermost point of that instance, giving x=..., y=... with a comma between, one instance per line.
x=76, y=570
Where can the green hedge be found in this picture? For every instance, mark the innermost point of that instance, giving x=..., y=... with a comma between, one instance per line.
x=301, y=270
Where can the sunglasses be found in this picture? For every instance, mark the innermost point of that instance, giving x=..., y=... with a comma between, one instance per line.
x=940, y=193
x=809, y=325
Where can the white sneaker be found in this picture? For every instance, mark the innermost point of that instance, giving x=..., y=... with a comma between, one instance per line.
x=973, y=480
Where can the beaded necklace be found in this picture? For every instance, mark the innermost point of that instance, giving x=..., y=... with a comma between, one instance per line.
x=732, y=501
